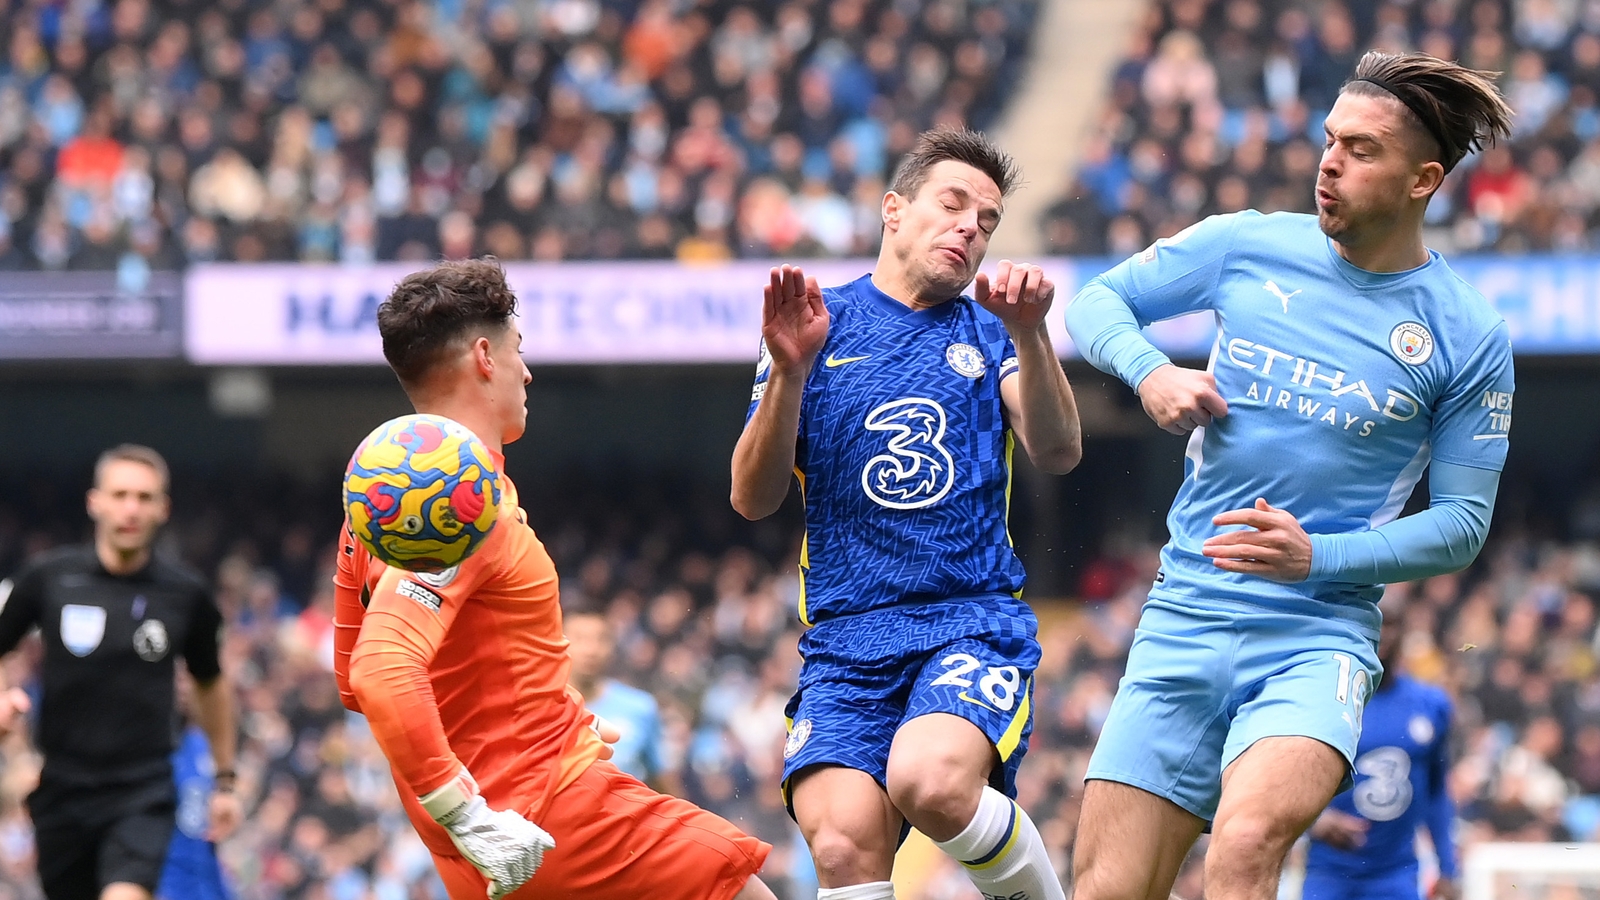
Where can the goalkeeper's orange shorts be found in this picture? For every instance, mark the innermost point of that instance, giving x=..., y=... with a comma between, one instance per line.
x=617, y=839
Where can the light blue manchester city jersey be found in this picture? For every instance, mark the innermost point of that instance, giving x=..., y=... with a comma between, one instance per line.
x=1342, y=385
x=903, y=456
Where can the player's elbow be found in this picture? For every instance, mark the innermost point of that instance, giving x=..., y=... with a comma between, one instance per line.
x=1058, y=457
x=751, y=497
x=750, y=506
x=1060, y=460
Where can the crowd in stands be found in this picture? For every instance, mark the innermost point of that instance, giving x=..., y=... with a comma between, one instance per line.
x=140, y=134
x=1218, y=106
x=700, y=609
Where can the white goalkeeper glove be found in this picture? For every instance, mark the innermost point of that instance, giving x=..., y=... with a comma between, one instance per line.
x=502, y=845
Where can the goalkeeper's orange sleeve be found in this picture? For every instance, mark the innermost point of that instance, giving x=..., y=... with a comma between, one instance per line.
x=389, y=678
x=348, y=587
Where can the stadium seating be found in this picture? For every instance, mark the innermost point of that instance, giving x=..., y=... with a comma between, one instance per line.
x=1218, y=106
x=178, y=131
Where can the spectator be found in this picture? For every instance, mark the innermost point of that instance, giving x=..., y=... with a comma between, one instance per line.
x=1274, y=85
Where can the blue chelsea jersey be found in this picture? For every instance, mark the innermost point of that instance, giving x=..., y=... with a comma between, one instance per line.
x=1401, y=766
x=1341, y=384
x=903, y=456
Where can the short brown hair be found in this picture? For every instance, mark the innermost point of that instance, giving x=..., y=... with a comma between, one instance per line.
x=1460, y=108
x=959, y=145
x=431, y=310
x=138, y=453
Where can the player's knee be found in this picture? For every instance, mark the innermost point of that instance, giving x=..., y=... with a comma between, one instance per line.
x=843, y=859
x=1247, y=843
x=938, y=799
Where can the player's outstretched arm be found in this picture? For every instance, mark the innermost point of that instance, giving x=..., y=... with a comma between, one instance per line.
x=794, y=325
x=1039, y=401
x=389, y=675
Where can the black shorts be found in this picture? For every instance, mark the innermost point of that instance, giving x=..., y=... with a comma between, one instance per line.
x=88, y=838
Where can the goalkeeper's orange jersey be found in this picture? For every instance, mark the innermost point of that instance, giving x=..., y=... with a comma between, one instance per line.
x=466, y=667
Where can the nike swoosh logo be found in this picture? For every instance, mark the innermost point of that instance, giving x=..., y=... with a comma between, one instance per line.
x=832, y=363
x=963, y=696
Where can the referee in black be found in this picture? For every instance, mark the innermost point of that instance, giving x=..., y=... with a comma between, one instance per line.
x=113, y=617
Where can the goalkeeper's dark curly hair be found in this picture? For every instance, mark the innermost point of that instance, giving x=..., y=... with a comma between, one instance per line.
x=431, y=312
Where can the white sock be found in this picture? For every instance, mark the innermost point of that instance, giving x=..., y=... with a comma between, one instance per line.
x=1003, y=853
x=872, y=890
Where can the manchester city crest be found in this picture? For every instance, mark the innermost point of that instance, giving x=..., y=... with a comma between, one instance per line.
x=1412, y=342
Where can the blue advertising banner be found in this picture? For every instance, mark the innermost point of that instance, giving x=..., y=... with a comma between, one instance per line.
x=90, y=315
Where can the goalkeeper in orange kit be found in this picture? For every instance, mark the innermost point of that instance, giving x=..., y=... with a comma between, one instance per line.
x=463, y=673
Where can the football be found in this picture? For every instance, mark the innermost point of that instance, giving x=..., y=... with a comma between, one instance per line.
x=422, y=493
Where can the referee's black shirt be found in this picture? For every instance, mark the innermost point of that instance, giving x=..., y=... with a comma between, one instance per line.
x=108, y=711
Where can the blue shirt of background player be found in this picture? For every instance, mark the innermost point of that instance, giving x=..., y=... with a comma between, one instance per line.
x=192, y=871
x=1401, y=767
x=1342, y=386
x=903, y=456
x=638, y=717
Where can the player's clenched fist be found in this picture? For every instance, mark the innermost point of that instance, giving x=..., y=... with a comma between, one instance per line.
x=1181, y=400
x=1020, y=294
x=502, y=845
x=794, y=321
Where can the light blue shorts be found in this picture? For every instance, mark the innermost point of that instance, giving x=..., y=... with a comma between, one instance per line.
x=1202, y=686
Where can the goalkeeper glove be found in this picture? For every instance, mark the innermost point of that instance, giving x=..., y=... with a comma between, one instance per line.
x=502, y=845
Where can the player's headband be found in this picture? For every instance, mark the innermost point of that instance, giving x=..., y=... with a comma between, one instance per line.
x=1416, y=110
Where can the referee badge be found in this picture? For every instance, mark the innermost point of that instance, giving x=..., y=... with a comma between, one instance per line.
x=82, y=627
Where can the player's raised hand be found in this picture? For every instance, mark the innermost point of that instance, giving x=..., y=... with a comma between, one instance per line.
x=14, y=704
x=1277, y=548
x=1020, y=294
x=794, y=320
x=1181, y=400
x=1339, y=829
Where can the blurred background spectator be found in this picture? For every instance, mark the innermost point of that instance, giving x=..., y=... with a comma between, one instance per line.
x=314, y=130
x=1218, y=106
